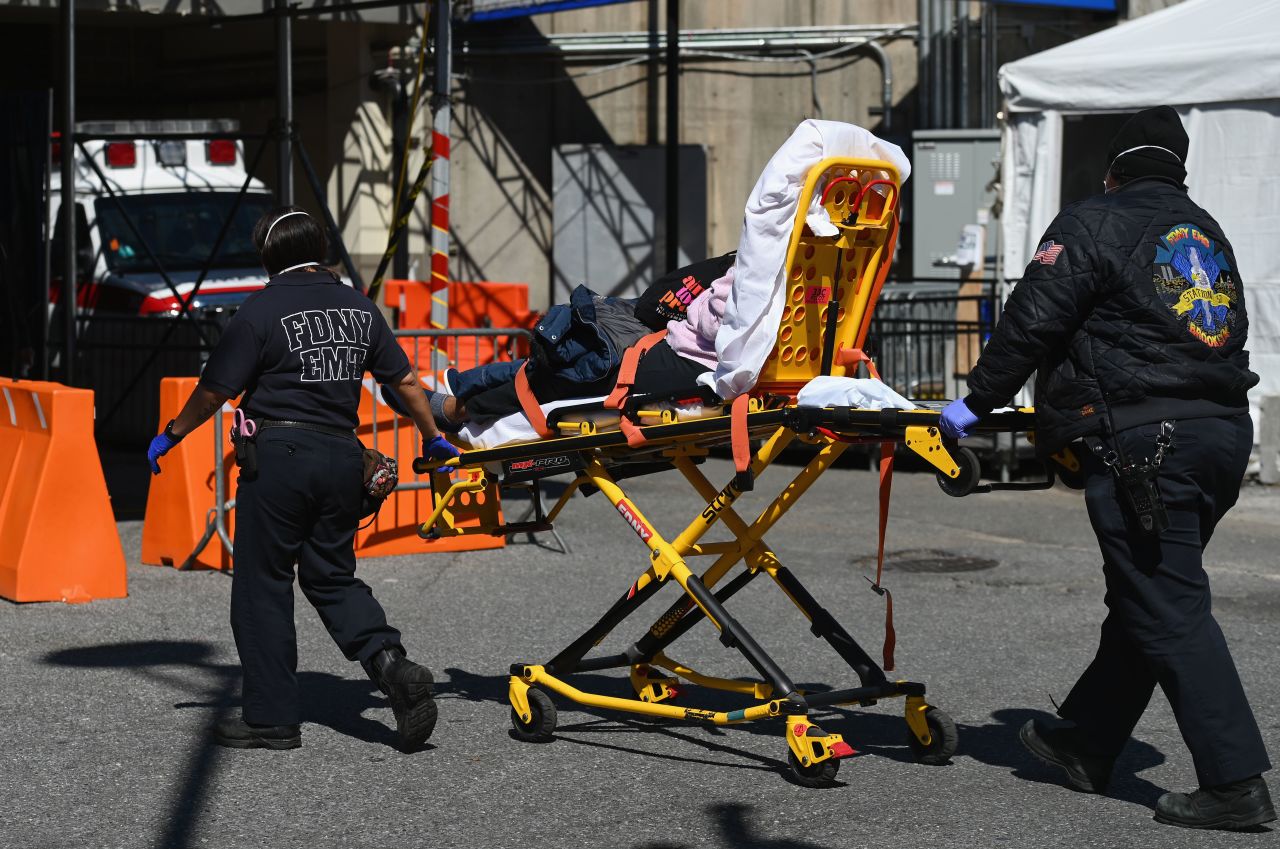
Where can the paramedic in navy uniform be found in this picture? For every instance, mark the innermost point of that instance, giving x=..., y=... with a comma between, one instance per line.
x=1132, y=313
x=298, y=350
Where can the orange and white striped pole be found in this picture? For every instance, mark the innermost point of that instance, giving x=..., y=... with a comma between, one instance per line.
x=441, y=125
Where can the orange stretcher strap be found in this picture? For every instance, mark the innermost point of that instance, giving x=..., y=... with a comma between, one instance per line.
x=627, y=371
x=886, y=487
x=738, y=432
x=635, y=437
x=529, y=404
x=853, y=356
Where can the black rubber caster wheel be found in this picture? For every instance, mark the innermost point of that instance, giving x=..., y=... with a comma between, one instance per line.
x=970, y=474
x=541, y=725
x=945, y=736
x=821, y=774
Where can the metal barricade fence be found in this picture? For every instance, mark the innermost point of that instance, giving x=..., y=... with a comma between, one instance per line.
x=121, y=359
x=925, y=345
x=487, y=345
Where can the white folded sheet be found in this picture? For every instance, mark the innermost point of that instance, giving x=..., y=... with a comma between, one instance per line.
x=864, y=393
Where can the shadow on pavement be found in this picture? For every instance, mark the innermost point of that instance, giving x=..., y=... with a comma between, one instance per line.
x=337, y=703
x=734, y=827
x=879, y=733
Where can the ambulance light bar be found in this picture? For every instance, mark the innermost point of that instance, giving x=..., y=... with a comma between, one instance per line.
x=220, y=151
x=171, y=153
x=122, y=154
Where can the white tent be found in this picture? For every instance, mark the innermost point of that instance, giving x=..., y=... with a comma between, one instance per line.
x=1218, y=63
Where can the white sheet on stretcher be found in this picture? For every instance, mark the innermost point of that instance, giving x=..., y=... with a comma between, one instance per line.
x=863, y=393
x=749, y=329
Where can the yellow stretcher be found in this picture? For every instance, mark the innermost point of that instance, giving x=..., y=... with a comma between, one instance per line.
x=833, y=284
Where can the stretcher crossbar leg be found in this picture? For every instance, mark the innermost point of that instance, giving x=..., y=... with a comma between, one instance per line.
x=570, y=659
x=868, y=694
x=678, y=619
x=824, y=625
x=666, y=562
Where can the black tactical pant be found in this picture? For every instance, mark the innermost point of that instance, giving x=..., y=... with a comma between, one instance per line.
x=302, y=508
x=1160, y=627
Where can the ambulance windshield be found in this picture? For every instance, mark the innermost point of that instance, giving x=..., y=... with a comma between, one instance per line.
x=180, y=229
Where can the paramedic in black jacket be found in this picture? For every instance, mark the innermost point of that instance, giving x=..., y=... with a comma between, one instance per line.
x=298, y=350
x=1132, y=314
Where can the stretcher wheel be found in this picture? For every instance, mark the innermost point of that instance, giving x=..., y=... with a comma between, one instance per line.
x=942, y=728
x=541, y=725
x=970, y=473
x=821, y=774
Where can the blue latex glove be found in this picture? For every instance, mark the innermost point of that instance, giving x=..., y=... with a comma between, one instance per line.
x=159, y=447
x=957, y=419
x=439, y=448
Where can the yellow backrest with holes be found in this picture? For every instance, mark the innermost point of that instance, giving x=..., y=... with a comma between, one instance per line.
x=845, y=271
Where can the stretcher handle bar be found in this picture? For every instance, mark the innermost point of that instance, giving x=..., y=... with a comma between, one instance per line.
x=422, y=466
x=806, y=418
x=833, y=315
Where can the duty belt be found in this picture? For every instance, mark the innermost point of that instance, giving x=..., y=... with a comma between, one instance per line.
x=319, y=428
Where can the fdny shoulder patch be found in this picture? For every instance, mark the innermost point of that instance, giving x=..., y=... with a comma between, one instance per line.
x=1048, y=253
x=1194, y=280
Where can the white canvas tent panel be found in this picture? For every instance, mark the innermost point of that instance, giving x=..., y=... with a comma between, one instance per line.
x=1217, y=63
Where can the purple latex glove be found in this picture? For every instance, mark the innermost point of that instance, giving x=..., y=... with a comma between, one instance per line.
x=439, y=448
x=957, y=419
x=159, y=447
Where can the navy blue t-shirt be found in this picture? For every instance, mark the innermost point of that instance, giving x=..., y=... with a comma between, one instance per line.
x=299, y=349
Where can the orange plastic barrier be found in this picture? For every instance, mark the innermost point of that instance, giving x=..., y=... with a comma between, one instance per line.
x=395, y=530
x=58, y=537
x=179, y=501
x=480, y=304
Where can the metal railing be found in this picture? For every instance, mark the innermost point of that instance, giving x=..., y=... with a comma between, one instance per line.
x=925, y=346
x=123, y=357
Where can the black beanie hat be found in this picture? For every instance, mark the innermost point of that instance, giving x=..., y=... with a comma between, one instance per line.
x=1152, y=143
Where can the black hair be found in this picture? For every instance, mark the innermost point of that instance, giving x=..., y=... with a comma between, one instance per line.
x=295, y=239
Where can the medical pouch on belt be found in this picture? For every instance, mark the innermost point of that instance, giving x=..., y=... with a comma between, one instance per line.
x=299, y=349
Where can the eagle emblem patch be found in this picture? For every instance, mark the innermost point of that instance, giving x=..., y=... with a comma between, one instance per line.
x=1194, y=280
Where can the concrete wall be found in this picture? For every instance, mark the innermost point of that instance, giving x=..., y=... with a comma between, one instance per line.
x=506, y=125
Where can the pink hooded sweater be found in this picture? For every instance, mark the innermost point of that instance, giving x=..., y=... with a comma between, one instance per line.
x=694, y=337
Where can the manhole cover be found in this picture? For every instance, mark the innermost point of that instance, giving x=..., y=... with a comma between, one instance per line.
x=927, y=560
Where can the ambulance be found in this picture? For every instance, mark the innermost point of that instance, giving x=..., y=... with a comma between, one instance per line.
x=172, y=197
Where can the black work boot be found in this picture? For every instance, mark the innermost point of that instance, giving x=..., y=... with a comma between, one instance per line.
x=408, y=686
x=1241, y=804
x=238, y=734
x=1066, y=747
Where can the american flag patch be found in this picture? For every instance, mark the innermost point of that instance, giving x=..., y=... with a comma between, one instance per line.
x=1048, y=253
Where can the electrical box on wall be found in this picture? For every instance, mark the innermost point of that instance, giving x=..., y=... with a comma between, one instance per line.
x=951, y=172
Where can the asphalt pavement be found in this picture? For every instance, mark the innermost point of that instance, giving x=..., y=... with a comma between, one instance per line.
x=106, y=706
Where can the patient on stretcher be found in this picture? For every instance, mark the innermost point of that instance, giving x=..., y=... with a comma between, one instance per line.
x=735, y=307
x=577, y=348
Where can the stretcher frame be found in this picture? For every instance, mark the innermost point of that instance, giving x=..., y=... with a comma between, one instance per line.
x=657, y=439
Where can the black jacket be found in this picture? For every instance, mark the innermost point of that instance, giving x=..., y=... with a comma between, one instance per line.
x=1131, y=310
